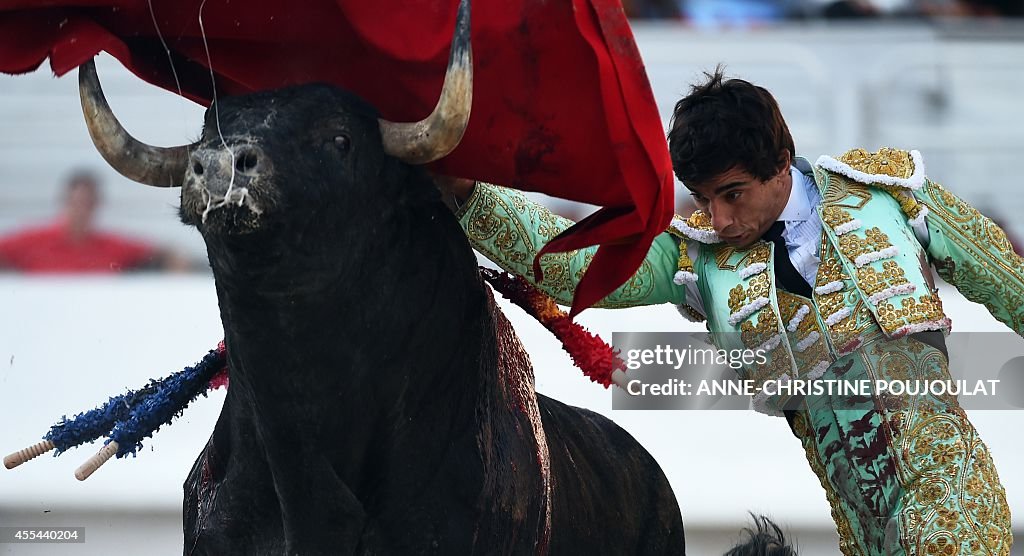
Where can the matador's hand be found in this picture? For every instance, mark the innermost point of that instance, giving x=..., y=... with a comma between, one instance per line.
x=454, y=191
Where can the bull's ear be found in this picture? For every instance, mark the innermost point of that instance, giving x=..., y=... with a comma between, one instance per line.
x=133, y=159
x=437, y=135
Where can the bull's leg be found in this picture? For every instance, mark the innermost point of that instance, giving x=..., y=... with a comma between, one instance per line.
x=230, y=506
x=604, y=476
x=195, y=505
x=319, y=513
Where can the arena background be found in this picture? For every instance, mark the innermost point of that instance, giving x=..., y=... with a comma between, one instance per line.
x=66, y=344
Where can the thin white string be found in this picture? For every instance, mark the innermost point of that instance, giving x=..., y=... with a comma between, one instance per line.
x=167, y=49
x=216, y=113
x=174, y=70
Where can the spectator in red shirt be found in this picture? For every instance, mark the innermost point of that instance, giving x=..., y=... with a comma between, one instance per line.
x=72, y=244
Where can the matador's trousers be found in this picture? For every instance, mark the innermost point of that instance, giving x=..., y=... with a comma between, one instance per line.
x=904, y=475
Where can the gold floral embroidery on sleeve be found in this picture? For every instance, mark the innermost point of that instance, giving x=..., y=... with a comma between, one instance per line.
x=973, y=253
x=510, y=229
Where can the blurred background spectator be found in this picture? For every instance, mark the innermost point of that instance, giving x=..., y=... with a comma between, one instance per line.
x=971, y=8
x=753, y=13
x=72, y=243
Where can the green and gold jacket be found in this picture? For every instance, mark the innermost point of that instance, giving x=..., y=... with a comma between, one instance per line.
x=874, y=280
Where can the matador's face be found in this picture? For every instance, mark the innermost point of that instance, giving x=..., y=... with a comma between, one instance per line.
x=743, y=207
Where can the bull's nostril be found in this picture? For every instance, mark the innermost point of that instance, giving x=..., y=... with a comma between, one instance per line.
x=246, y=161
x=197, y=168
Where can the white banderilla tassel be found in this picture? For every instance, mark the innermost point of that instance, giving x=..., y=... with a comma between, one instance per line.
x=94, y=463
x=32, y=452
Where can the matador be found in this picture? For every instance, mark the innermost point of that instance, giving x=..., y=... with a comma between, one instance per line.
x=828, y=268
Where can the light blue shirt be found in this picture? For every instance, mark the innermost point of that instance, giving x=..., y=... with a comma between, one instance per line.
x=803, y=227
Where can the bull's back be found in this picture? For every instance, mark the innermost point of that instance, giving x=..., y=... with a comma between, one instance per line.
x=610, y=496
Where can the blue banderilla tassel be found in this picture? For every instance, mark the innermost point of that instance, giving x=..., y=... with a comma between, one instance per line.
x=137, y=414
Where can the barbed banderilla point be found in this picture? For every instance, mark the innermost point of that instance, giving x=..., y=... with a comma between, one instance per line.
x=32, y=452
x=92, y=464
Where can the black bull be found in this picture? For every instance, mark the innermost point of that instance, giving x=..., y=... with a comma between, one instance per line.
x=380, y=403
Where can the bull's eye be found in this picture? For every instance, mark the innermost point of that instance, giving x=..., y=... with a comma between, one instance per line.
x=342, y=143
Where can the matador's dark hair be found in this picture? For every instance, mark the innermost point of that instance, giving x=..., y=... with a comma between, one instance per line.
x=724, y=124
x=767, y=540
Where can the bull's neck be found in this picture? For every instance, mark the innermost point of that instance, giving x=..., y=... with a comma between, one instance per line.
x=393, y=329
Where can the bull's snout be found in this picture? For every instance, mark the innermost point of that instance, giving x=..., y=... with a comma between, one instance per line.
x=218, y=169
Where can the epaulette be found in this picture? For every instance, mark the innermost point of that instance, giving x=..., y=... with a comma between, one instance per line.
x=896, y=171
x=888, y=166
x=696, y=227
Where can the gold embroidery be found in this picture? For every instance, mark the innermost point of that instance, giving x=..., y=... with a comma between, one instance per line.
x=758, y=253
x=981, y=231
x=778, y=364
x=947, y=485
x=887, y=161
x=872, y=281
x=925, y=308
x=498, y=225
x=860, y=324
x=722, y=255
x=813, y=354
x=853, y=246
x=756, y=287
x=767, y=327
x=789, y=304
x=831, y=268
x=838, y=191
x=834, y=216
x=700, y=220
x=989, y=271
x=977, y=283
x=953, y=502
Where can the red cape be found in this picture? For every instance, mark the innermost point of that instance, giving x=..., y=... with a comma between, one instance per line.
x=561, y=100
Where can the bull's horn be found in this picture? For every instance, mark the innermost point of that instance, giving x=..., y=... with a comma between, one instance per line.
x=437, y=135
x=135, y=160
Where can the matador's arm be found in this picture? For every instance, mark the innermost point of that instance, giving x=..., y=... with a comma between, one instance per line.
x=509, y=229
x=973, y=254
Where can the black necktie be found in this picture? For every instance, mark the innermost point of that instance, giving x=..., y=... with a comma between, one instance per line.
x=786, y=274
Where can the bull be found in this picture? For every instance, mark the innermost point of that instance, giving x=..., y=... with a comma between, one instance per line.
x=380, y=402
